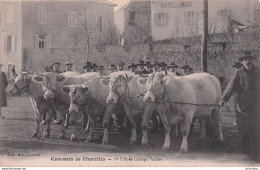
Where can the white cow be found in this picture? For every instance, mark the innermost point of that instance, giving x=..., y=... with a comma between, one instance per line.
x=198, y=89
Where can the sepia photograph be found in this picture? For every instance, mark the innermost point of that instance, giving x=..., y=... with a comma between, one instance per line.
x=129, y=83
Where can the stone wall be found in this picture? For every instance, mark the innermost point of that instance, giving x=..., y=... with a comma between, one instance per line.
x=221, y=56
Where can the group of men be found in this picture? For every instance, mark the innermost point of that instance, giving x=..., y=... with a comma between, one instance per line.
x=140, y=68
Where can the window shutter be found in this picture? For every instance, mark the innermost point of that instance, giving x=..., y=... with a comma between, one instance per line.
x=5, y=44
x=36, y=41
x=48, y=41
x=45, y=15
x=166, y=19
x=13, y=43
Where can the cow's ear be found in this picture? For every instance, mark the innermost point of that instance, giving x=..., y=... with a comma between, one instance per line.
x=141, y=81
x=105, y=82
x=66, y=89
x=38, y=79
x=60, y=78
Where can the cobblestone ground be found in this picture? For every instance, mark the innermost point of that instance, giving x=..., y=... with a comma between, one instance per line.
x=17, y=146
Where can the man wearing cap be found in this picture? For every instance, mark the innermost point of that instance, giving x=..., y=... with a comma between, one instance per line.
x=121, y=66
x=173, y=68
x=68, y=66
x=112, y=68
x=141, y=68
x=245, y=83
x=3, y=86
x=133, y=67
x=87, y=67
x=94, y=67
x=56, y=68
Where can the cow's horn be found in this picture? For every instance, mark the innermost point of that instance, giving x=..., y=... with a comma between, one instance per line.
x=143, y=75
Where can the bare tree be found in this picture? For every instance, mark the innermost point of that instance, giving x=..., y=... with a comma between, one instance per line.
x=176, y=28
x=112, y=34
x=85, y=27
x=138, y=34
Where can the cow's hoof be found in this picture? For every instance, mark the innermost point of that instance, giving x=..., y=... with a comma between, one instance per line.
x=46, y=135
x=105, y=142
x=184, y=150
x=61, y=136
x=166, y=148
x=88, y=141
x=34, y=135
x=73, y=139
x=132, y=142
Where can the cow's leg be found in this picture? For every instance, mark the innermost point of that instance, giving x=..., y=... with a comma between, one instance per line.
x=185, y=127
x=48, y=124
x=202, y=128
x=91, y=129
x=216, y=115
x=176, y=130
x=167, y=127
x=73, y=123
x=37, y=117
x=107, y=116
x=146, y=119
x=130, y=115
x=62, y=126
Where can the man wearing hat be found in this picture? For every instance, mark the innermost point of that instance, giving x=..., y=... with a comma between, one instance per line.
x=3, y=86
x=155, y=67
x=101, y=70
x=141, y=68
x=56, y=68
x=237, y=65
x=185, y=69
x=121, y=66
x=68, y=66
x=133, y=67
x=112, y=68
x=245, y=84
x=94, y=67
x=87, y=67
x=173, y=68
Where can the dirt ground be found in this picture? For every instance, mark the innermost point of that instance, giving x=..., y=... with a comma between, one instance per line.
x=18, y=149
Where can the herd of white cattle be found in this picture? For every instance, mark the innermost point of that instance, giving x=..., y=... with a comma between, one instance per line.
x=178, y=99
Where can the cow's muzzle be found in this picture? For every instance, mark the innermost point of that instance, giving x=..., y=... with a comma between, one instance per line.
x=48, y=95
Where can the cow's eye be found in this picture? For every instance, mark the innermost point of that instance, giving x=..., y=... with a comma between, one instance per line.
x=119, y=85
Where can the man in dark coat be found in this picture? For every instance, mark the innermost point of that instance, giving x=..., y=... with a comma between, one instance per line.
x=3, y=85
x=245, y=84
x=141, y=68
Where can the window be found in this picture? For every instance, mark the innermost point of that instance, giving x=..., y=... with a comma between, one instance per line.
x=72, y=18
x=11, y=43
x=42, y=15
x=191, y=17
x=42, y=41
x=9, y=14
x=131, y=17
x=161, y=19
x=99, y=22
x=71, y=43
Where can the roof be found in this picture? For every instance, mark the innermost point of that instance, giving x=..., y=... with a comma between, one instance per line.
x=136, y=6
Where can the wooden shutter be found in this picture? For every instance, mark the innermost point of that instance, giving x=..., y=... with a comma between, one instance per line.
x=48, y=45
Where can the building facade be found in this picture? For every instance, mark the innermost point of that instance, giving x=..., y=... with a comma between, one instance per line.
x=133, y=21
x=49, y=25
x=180, y=18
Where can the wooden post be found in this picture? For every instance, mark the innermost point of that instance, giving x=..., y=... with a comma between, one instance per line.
x=204, y=41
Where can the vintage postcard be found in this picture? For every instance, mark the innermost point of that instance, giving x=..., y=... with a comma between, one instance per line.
x=129, y=83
